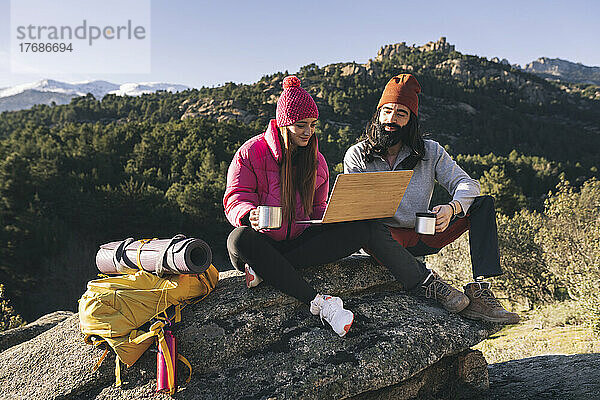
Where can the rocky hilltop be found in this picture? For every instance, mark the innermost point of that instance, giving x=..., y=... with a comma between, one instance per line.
x=392, y=49
x=437, y=60
x=261, y=344
x=563, y=70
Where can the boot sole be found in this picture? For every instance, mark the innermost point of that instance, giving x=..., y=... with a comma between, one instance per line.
x=481, y=317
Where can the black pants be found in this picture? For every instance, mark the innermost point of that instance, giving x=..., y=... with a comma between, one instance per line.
x=480, y=221
x=277, y=261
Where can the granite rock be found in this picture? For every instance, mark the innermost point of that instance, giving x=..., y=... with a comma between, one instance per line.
x=262, y=344
x=24, y=333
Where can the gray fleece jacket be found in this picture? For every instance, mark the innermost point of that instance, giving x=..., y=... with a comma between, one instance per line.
x=437, y=165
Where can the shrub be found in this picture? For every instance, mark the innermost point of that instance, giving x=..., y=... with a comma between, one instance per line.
x=8, y=317
x=527, y=278
x=546, y=257
x=571, y=242
x=526, y=281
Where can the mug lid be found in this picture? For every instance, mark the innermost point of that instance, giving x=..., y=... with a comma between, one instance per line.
x=426, y=214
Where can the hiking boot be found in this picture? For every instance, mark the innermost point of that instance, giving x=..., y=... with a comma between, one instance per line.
x=331, y=309
x=252, y=279
x=484, y=306
x=453, y=300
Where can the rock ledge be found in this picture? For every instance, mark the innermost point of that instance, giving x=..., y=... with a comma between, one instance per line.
x=262, y=344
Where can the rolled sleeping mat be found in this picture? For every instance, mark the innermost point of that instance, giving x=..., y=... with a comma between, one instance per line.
x=178, y=255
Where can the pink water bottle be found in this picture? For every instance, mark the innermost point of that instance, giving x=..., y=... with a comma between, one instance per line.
x=162, y=375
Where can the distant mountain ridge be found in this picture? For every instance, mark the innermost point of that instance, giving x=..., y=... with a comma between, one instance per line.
x=559, y=69
x=47, y=91
x=548, y=68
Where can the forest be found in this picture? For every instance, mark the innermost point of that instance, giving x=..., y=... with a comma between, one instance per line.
x=75, y=176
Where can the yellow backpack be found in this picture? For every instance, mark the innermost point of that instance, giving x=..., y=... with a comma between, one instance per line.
x=112, y=309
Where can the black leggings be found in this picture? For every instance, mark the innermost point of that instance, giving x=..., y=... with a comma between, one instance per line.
x=276, y=261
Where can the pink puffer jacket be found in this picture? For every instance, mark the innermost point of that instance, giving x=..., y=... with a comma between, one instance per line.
x=253, y=180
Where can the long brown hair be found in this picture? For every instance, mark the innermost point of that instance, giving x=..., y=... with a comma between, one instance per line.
x=298, y=173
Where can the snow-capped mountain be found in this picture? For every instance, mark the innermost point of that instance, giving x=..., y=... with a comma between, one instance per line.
x=47, y=91
x=137, y=89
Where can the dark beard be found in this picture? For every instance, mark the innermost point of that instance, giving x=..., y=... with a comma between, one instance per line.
x=383, y=139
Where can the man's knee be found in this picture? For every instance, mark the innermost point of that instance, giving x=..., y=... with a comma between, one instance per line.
x=487, y=199
x=484, y=202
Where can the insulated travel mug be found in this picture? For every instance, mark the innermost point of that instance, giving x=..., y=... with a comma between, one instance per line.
x=162, y=375
x=269, y=217
x=425, y=223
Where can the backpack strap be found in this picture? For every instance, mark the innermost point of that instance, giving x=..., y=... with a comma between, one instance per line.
x=157, y=330
x=162, y=264
x=187, y=364
x=117, y=371
x=120, y=265
x=209, y=279
x=96, y=341
x=139, y=250
x=99, y=362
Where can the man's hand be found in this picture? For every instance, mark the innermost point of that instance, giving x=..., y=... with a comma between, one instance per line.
x=443, y=216
x=254, y=219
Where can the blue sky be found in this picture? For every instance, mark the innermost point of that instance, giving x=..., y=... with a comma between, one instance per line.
x=205, y=43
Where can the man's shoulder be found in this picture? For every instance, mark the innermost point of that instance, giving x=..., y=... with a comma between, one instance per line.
x=354, y=160
x=433, y=148
x=356, y=149
x=432, y=145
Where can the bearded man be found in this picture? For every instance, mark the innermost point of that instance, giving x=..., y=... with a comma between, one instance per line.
x=393, y=142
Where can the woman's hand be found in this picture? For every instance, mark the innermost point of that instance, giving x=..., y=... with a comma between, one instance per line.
x=443, y=216
x=254, y=219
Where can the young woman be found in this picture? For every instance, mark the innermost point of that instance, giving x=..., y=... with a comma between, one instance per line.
x=283, y=167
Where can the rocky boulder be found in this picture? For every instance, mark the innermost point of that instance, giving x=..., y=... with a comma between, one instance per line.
x=391, y=50
x=22, y=334
x=551, y=377
x=260, y=343
x=354, y=69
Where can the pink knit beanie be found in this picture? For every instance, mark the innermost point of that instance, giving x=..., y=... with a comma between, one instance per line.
x=294, y=103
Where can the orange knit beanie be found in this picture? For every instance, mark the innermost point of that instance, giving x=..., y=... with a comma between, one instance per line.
x=402, y=89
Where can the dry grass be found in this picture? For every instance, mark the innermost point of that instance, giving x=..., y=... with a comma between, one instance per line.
x=555, y=329
x=558, y=328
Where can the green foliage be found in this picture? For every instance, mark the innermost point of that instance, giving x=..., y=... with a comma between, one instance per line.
x=519, y=181
x=527, y=278
x=130, y=166
x=571, y=242
x=498, y=184
x=8, y=317
x=106, y=181
x=546, y=257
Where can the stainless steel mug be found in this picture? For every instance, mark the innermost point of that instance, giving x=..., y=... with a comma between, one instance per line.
x=269, y=217
x=425, y=223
